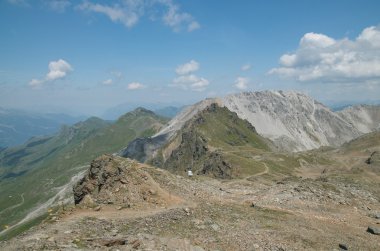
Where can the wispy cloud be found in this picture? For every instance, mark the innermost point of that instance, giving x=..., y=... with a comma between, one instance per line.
x=129, y=12
x=186, y=78
x=135, y=86
x=117, y=74
x=58, y=5
x=177, y=19
x=320, y=58
x=108, y=82
x=55, y=5
x=246, y=67
x=115, y=78
x=241, y=83
x=194, y=25
x=35, y=83
x=19, y=2
x=57, y=70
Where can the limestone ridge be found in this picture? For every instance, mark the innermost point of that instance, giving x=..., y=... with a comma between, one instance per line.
x=366, y=118
x=297, y=122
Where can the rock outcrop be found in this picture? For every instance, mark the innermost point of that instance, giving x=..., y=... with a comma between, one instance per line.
x=118, y=181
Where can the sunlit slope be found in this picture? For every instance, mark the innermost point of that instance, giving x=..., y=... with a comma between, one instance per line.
x=33, y=172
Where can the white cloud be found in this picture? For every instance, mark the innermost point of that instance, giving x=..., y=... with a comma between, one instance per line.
x=246, y=67
x=57, y=70
x=35, y=83
x=128, y=12
x=370, y=35
x=187, y=80
x=288, y=60
x=187, y=68
x=191, y=81
x=135, y=86
x=108, y=81
x=315, y=40
x=324, y=59
x=241, y=83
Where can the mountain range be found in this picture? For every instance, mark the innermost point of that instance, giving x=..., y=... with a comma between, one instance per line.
x=17, y=126
x=269, y=135
x=168, y=110
x=291, y=121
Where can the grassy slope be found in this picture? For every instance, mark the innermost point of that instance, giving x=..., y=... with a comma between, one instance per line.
x=352, y=156
x=215, y=135
x=235, y=138
x=74, y=148
x=367, y=141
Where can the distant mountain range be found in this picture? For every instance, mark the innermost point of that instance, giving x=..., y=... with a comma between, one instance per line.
x=165, y=110
x=17, y=126
x=337, y=106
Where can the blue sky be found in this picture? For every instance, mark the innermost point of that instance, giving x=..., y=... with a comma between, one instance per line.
x=87, y=56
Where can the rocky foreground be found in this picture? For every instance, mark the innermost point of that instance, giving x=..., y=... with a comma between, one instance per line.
x=124, y=205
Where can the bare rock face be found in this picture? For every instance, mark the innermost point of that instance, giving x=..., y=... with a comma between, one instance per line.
x=142, y=148
x=117, y=181
x=366, y=118
x=193, y=153
x=216, y=166
x=297, y=122
x=103, y=173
